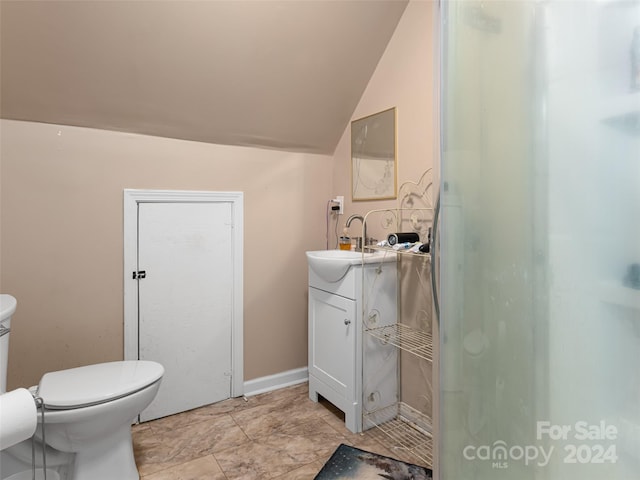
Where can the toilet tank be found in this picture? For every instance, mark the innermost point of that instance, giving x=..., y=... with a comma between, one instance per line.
x=7, y=308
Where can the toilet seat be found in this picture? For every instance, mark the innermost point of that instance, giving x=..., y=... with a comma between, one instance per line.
x=95, y=384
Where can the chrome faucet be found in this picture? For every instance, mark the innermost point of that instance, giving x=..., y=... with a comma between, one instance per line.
x=360, y=241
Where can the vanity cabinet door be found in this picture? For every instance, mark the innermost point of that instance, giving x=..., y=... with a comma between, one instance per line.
x=332, y=341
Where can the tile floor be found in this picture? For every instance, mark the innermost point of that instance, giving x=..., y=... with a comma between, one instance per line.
x=277, y=435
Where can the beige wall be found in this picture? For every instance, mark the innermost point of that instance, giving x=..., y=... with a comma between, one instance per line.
x=61, y=218
x=402, y=79
x=61, y=257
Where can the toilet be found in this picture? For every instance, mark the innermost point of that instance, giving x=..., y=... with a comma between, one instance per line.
x=88, y=413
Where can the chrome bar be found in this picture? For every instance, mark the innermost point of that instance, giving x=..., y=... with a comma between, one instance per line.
x=4, y=330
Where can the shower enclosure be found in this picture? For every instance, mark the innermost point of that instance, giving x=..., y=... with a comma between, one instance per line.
x=540, y=240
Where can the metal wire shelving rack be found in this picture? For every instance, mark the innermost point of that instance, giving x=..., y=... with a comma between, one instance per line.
x=408, y=430
x=402, y=427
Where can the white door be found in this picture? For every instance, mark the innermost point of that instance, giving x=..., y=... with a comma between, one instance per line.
x=185, y=302
x=185, y=311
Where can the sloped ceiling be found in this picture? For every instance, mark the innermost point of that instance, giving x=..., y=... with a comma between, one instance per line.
x=274, y=74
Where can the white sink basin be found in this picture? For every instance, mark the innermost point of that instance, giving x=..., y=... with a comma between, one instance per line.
x=332, y=265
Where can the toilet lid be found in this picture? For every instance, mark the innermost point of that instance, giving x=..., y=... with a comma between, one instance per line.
x=93, y=384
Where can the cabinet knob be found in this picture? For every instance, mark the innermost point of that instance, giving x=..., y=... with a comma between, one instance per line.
x=347, y=321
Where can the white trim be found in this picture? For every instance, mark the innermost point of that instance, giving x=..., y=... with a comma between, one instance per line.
x=276, y=381
x=131, y=199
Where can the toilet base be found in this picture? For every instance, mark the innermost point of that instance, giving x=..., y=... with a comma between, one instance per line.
x=15, y=463
x=109, y=459
x=99, y=436
x=28, y=475
x=106, y=460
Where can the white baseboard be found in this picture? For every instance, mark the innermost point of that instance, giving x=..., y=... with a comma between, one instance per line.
x=276, y=381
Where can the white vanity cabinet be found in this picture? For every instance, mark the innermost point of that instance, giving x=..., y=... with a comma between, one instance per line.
x=335, y=333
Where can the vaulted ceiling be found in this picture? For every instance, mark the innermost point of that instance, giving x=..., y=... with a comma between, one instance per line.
x=266, y=73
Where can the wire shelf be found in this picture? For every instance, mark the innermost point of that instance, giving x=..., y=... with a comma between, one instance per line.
x=408, y=429
x=409, y=339
x=392, y=251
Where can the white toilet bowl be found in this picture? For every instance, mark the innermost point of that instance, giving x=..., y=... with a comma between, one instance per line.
x=88, y=413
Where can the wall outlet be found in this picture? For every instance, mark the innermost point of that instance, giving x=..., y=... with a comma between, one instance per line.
x=339, y=200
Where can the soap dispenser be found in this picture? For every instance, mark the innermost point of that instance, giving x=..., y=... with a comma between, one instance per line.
x=345, y=241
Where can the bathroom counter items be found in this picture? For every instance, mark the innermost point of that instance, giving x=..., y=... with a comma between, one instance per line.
x=417, y=248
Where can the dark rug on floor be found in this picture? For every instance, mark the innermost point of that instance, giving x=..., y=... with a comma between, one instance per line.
x=349, y=462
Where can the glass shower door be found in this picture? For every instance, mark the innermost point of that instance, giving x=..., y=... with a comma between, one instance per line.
x=540, y=240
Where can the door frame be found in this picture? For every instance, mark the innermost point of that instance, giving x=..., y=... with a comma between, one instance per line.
x=132, y=197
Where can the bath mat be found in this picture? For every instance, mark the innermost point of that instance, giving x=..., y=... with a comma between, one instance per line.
x=352, y=463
